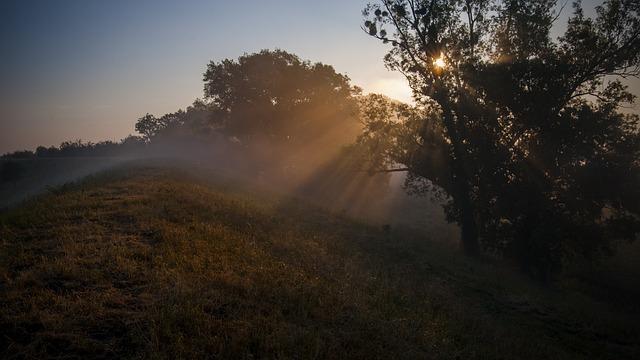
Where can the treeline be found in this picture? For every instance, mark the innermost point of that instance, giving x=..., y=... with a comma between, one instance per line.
x=268, y=116
x=271, y=108
x=127, y=146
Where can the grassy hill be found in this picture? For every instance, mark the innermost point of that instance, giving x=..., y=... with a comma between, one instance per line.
x=156, y=262
x=33, y=176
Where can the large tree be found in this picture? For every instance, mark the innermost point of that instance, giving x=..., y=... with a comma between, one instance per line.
x=266, y=96
x=279, y=97
x=276, y=111
x=539, y=161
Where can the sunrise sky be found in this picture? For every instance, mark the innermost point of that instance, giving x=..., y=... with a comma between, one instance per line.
x=74, y=69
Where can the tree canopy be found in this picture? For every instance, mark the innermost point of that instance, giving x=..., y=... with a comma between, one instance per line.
x=523, y=132
x=274, y=94
x=199, y=119
x=279, y=111
x=270, y=95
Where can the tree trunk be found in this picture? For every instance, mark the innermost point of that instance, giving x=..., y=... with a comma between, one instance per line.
x=462, y=193
x=462, y=197
x=469, y=233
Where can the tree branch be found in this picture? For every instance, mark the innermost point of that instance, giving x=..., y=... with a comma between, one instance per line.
x=380, y=171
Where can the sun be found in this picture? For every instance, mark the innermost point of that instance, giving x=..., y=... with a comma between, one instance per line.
x=439, y=63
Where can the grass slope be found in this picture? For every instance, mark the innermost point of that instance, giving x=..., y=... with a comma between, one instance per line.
x=158, y=263
x=35, y=175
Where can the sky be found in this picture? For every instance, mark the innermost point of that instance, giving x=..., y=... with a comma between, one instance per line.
x=87, y=69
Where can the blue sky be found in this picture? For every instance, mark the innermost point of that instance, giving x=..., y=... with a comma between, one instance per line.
x=87, y=69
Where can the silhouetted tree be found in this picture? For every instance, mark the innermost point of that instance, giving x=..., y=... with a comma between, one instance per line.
x=149, y=126
x=281, y=114
x=199, y=119
x=535, y=154
x=277, y=96
x=129, y=146
x=20, y=154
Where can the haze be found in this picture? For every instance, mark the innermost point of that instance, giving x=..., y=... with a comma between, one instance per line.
x=88, y=69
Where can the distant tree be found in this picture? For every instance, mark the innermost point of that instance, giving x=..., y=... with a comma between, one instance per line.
x=267, y=96
x=131, y=145
x=21, y=154
x=149, y=126
x=42, y=151
x=281, y=114
x=276, y=96
x=537, y=158
x=197, y=120
x=75, y=148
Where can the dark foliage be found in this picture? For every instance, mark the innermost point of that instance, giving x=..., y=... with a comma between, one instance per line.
x=198, y=120
x=523, y=132
x=272, y=109
x=78, y=148
x=275, y=95
x=267, y=96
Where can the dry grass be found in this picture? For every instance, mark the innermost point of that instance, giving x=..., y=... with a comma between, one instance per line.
x=158, y=263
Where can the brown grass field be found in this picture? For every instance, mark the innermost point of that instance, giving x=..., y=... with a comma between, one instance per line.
x=162, y=263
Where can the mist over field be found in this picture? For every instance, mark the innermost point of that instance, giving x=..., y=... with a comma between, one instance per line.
x=347, y=192
x=405, y=179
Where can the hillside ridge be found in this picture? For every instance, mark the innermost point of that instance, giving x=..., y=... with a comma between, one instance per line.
x=148, y=261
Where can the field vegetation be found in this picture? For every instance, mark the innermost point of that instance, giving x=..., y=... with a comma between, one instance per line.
x=169, y=262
